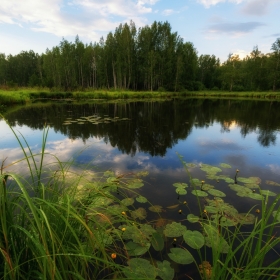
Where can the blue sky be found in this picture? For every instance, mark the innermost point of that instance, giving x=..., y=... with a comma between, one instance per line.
x=216, y=27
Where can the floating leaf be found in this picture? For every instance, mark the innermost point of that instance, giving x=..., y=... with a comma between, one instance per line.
x=194, y=239
x=156, y=208
x=139, y=269
x=250, y=180
x=165, y=271
x=229, y=180
x=210, y=169
x=180, y=185
x=192, y=218
x=141, y=199
x=135, y=249
x=236, y=187
x=225, y=165
x=211, y=209
x=161, y=222
x=217, y=193
x=181, y=191
x=268, y=193
x=180, y=256
x=199, y=193
x=132, y=232
x=174, y=230
x=272, y=183
x=207, y=187
x=195, y=182
x=127, y=201
x=157, y=241
x=255, y=196
x=252, y=186
x=245, y=218
x=173, y=206
x=147, y=230
x=139, y=213
x=135, y=184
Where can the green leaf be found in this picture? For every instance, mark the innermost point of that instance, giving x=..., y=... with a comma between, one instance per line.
x=135, y=184
x=216, y=193
x=276, y=215
x=255, y=196
x=139, y=213
x=210, y=169
x=192, y=218
x=181, y=191
x=141, y=199
x=272, y=183
x=157, y=241
x=180, y=185
x=147, y=230
x=194, y=239
x=139, y=269
x=207, y=187
x=127, y=201
x=225, y=165
x=180, y=256
x=165, y=271
x=135, y=249
x=174, y=230
x=156, y=208
x=199, y=193
x=268, y=193
x=212, y=209
x=245, y=218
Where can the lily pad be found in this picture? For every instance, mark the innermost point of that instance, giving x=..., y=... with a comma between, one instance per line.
x=139, y=213
x=141, y=199
x=127, y=201
x=181, y=256
x=147, y=230
x=194, y=239
x=174, y=230
x=139, y=269
x=180, y=185
x=195, y=182
x=256, y=196
x=207, y=187
x=192, y=218
x=246, y=218
x=210, y=169
x=199, y=193
x=132, y=232
x=212, y=209
x=135, y=184
x=272, y=183
x=135, y=249
x=250, y=180
x=157, y=241
x=181, y=191
x=216, y=193
x=156, y=208
x=268, y=193
x=165, y=271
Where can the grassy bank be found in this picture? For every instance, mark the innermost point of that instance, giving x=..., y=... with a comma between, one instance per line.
x=61, y=222
x=23, y=96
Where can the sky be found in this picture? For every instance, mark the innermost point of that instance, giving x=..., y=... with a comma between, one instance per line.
x=215, y=27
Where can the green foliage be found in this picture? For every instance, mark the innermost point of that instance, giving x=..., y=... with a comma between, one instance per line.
x=181, y=256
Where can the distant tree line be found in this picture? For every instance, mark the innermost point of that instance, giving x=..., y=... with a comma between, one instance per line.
x=149, y=58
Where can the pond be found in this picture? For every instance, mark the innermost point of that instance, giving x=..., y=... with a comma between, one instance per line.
x=172, y=141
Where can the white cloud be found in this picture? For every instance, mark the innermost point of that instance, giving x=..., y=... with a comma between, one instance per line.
x=257, y=7
x=274, y=168
x=168, y=12
x=88, y=19
x=208, y=3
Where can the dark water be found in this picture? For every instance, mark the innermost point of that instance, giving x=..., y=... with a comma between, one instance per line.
x=244, y=134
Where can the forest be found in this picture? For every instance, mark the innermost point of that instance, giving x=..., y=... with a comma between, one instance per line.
x=150, y=58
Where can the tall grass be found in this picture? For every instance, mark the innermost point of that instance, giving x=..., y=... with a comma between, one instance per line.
x=46, y=231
